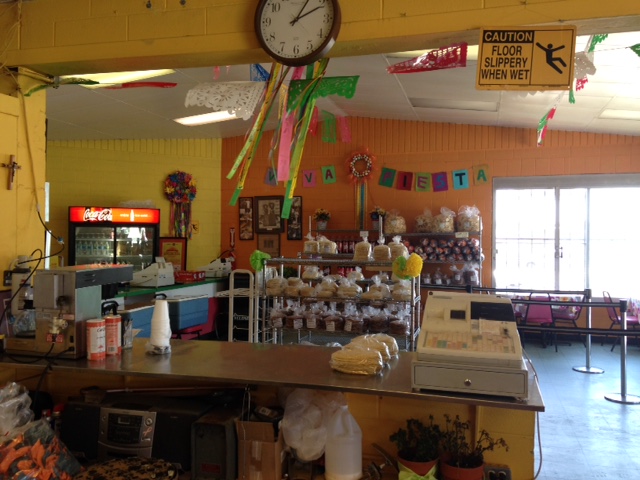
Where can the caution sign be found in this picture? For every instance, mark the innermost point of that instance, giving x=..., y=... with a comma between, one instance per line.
x=520, y=58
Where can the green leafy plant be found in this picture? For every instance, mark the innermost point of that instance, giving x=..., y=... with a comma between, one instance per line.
x=418, y=442
x=460, y=451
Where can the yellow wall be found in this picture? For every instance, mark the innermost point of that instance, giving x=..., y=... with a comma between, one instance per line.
x=105, y=173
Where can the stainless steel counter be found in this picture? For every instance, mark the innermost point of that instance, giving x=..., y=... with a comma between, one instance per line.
x=276, y=365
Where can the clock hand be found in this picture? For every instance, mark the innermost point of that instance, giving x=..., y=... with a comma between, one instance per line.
x=310, y=11
x=293, y=22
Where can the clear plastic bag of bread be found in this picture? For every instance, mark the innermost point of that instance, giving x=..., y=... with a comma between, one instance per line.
x=328, y=288
x=349, y=289
x=377, y=290
x=276, y=285
x=394, y=223
x=468, y=219
x=362, y=250
x=326, y=246
x=357, y=360
x=398, y=248
x=356, y=275
x=401, y=291
x=457, y=277
x=311, y=245
x=381, y=252
x=445, y=221
x=372, y=342
x=311, y=272
x=424, y=221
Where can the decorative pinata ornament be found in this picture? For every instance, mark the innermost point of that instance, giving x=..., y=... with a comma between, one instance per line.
x=180, y=189
x=360, y=166
x=408, y=268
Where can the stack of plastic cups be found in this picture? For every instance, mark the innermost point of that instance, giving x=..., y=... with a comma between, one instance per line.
x=160, y=328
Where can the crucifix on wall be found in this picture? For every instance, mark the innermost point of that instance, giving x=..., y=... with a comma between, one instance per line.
x=13, y=168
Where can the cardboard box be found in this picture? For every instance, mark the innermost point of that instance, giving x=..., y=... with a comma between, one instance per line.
x=260, y=453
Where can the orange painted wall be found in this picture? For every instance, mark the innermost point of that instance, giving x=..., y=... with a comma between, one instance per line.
x=424, y=147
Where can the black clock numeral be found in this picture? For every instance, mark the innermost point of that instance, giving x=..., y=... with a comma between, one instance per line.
x=296, y=49
x=275, y=7
x=272, y=36
x=282, y=45
x=309, y=45
x=320, y=34
x=266, y=21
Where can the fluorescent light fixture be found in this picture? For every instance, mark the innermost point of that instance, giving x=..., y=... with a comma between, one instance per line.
x=205, y=118
x=116, y=78
x=612, y=114
x=454, y=104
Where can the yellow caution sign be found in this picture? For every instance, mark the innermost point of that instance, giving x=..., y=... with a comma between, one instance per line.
x=521, y=58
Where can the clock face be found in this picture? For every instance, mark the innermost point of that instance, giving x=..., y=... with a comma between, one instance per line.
x=297, y=32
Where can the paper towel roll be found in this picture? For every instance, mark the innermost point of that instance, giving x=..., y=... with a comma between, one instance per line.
x=160, y=325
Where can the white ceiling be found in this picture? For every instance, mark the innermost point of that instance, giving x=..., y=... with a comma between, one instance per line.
x=78, y=113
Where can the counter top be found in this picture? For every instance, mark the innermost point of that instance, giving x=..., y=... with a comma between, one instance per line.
x=138, y=291
x=302, y=366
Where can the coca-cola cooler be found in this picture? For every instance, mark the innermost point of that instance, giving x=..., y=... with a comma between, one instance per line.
x=113, y=235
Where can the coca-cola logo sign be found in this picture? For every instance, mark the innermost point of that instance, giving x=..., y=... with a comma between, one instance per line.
x=103, y=215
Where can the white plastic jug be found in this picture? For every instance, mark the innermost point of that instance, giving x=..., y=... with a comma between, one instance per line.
x=343, y=451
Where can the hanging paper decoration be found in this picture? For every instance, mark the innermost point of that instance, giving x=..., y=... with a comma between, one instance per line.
x=636, y=48
x=444, y=57
x=245, y=157
x=342, y=86
x=121, y=86
x=180, y=189
x=57, y=81
x=543, y=123
x=345, y=131
x=239, y=98
x=328, y=127
x=595, y=40
x=258, y=73
x=360, y=166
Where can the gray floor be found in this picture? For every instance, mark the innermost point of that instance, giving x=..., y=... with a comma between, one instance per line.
x=583, y=435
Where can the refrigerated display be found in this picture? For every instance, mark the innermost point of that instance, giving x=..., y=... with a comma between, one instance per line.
x=113, y=235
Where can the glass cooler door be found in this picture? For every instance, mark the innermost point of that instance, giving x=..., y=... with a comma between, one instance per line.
x=94, y=245
x=134, y=246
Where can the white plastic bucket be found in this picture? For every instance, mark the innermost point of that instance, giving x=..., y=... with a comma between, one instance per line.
x=343, y=451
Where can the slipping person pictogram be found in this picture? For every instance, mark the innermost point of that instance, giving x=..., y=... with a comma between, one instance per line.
x=551, y=60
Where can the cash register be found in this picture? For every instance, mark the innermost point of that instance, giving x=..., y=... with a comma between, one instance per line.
x=469, y=343
x=158, y=274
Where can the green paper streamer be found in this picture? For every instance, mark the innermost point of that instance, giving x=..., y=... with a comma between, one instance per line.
x=329, y=127
x=572, y=96
x=234, y=197
x=636, y=48
x=596, y=40
x=256, y=259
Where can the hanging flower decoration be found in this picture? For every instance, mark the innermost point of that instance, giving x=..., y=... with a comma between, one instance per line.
x=180, y=189
x=360, y=166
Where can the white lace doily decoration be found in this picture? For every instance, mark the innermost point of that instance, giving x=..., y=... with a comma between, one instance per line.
x=584, y=64
x=239, y=98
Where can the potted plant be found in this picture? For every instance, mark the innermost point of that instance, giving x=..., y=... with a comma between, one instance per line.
x=418, y=446
x=321, y=216
x=465, y=458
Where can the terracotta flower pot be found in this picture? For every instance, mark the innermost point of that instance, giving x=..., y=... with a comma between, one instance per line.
x=420, y=468
x=456, y=473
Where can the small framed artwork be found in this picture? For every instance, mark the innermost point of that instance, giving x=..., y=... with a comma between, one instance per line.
x=245, y=212
x=269, y=243
x=174, y=250
x=294, y=224
x=267, y=213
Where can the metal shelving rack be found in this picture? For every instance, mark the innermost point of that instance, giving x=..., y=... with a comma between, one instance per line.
x=319, y=261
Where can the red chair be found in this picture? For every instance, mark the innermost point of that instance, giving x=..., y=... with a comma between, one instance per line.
x=632, y=321
x=567, y=316
x=539, y=314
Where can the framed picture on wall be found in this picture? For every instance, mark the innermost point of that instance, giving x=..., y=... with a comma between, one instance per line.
x=174, y=250
x=267, y=212
x=269, y=243
x=294, y=224
x=245, y=213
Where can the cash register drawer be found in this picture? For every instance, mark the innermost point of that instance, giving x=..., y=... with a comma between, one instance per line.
x=470, y=379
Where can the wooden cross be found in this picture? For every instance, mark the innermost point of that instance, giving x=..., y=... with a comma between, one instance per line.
x=13, y=166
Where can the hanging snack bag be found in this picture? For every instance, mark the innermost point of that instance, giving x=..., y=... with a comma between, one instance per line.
x=394, y=223
x=381, y=252
x=311, y=245
x=424, y=222
x=326, y=246
x=444, y=223
x=468, y=219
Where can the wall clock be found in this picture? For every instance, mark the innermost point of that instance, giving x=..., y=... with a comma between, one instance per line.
x=297, y=33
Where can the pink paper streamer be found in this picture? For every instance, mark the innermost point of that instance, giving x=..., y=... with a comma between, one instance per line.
x=313, y=126
x=298, y=72
x=345, y=131
x=216, y=72
x=284, y=152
